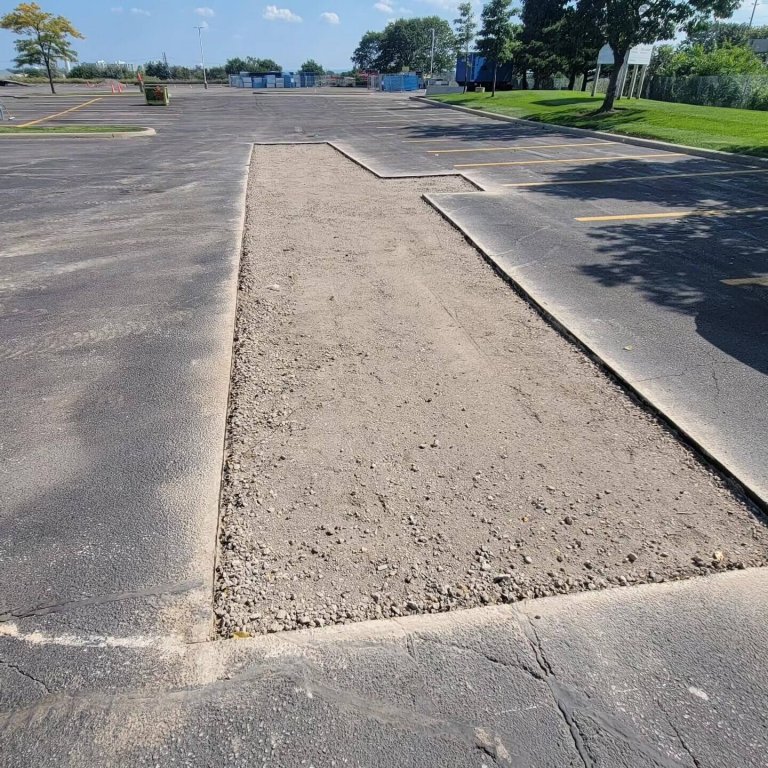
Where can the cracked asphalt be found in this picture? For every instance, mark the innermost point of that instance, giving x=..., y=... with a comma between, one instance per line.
x=118, y=309
x=650, y=677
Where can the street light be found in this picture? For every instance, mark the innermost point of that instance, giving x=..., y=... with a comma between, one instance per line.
x=202, y=55
x=752, y=17
x=432, y=56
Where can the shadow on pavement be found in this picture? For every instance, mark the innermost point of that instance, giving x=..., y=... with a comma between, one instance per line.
x=711, y=268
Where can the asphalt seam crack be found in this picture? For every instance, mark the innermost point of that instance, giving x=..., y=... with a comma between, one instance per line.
x=568, y=700
x=565, y=710
x=23, y=673
x=44, y=610
x=519, y=665
x=680, y=737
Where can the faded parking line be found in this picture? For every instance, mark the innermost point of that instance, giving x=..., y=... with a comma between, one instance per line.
x=618, y=179
x=702, y=213
x=570, y=160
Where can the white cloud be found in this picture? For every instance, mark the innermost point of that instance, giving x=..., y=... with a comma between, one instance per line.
x=140, y=12
x=447, y=5
x=330, y=17
x=117, y=9
x=208, y=13
x=273, y=13
x=384, y=7
x=203, y=24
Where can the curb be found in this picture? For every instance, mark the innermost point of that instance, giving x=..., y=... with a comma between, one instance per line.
x=115, y=135
x=710, y=154
x=732, y=479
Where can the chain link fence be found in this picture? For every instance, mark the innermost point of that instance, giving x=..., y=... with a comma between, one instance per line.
x=739, y=91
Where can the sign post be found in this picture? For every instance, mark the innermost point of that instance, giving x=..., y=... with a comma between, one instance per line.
x=638, y=57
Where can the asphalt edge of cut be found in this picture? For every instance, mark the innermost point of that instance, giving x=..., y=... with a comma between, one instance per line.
x=362, y=164
x=732, y=480
x=395, y=176
x=143, y=133
x=710, y=154
x=239, y=246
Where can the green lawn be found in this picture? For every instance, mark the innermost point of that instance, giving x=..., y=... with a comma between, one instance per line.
x=730, y=130
x=70, y=129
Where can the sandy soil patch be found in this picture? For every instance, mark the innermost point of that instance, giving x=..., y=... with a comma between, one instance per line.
x=407, y=435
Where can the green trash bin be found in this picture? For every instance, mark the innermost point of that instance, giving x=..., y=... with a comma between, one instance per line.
x=157, y=95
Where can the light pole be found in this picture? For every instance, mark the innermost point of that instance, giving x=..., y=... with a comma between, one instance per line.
x=752, y=17
x=202, y=55
x=432, y=55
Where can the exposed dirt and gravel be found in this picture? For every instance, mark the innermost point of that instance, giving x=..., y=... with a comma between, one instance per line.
x=407, y=435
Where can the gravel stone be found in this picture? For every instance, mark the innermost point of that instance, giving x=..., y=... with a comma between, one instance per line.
x=382, y=327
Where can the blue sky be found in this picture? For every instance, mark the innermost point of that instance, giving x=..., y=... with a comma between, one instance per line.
x=289, y=31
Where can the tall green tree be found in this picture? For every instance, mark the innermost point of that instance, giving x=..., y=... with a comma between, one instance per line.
x=45, y=38
x=367, y=52
x=577, y=41
x=538, y=38
x=497, y=35
x=312, y=67
x=626, y=23
x=465, y=29
x=406, y=44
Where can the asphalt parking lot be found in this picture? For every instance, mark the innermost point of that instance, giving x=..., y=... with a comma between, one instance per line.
x=115, y=349
x=654, y=259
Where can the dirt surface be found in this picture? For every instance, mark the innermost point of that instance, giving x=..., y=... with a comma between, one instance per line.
x=407, y=435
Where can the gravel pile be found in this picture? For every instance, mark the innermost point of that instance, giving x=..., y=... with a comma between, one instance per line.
x=406, y=435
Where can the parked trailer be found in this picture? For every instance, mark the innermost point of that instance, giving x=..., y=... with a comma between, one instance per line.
x=479, y=72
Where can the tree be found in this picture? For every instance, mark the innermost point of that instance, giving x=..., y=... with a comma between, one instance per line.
x=367, y=52
x=263, y=65
x=713, y=33
x=86, y=71
x=158, y=69
x=251, y=64
x=406, y=44
x=697, y=61
x=626, y=23
x=465, y=28
x=577, y=41
x=45, y=37
x=312, y=67
x=539, y=38
x=236, y=66
x=216, y=73
x=497, y=34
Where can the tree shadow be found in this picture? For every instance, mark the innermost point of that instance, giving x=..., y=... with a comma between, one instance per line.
x=484, y=131
x=712, y=268
x=585, y=100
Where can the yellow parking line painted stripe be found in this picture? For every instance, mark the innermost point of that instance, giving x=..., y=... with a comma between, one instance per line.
x=59, y=114
x=762, y=281
x=702, y=213
x=618, y=179
x=570, y=160
x=385, y=119
x=516, y=149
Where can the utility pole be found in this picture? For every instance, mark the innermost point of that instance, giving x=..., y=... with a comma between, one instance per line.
x=752, y=17
x=202, y=55
x=432, y=56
